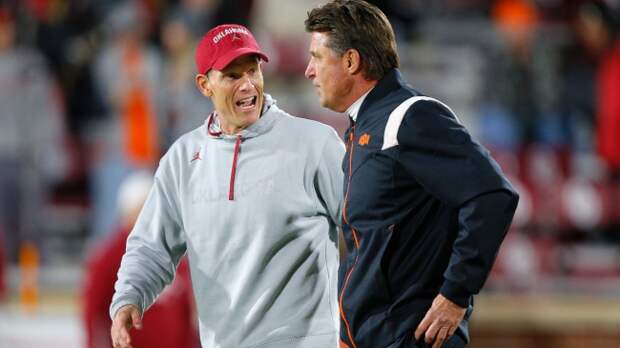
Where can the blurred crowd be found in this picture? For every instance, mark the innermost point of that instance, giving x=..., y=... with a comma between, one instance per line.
x=92, y=92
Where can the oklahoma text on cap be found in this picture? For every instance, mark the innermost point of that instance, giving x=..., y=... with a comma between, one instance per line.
x=223, y=44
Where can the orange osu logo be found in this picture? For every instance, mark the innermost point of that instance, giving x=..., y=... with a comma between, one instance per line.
x=364, y=139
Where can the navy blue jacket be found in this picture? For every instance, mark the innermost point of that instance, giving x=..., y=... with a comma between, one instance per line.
x=425, y=211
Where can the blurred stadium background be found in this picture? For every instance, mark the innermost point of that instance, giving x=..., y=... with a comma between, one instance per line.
x=92, y=91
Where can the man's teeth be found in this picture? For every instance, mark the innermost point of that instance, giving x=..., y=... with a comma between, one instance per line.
x=247, y=101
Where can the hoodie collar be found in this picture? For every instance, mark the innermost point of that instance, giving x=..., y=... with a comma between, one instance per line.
x=264, y=123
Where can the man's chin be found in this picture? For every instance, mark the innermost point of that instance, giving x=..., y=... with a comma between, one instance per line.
x=327, y=105
x=323, y=102
x=251, y=117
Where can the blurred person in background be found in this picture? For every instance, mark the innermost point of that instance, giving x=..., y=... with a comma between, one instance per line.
x=32, y=156
x=521, y=81
x=253, y=196
x=128, y=79
x=598, y=25
x=170, y=322
x=426, y=207
x=598, y=28
x=185, y=108
x=577, y=90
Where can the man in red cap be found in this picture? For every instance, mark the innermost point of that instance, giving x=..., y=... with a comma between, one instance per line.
x=253, y=198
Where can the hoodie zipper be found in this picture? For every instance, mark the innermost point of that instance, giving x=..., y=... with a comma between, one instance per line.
x=233, y=171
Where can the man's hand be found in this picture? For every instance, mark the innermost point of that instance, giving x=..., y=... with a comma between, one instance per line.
x=126, y=317
x=440, y=321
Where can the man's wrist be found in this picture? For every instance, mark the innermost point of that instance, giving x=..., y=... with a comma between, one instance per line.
x=455, y=293
x=123, y=301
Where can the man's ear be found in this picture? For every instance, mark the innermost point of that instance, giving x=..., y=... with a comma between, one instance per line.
x=352, y=61
x=203, y=84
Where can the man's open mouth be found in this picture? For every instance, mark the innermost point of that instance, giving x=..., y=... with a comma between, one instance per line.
x=247, y=103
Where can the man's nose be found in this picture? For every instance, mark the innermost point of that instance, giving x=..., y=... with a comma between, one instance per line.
x=247, y=83
x=309, y=73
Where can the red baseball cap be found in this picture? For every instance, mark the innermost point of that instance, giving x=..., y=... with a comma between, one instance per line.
x=223, y=44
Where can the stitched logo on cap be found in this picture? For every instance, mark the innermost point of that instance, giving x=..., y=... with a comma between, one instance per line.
x=222, y=34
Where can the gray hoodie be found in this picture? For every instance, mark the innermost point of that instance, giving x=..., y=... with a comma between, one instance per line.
x=257, y=217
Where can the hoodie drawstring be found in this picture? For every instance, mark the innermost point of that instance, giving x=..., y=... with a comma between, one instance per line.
x=209, y=123
x=233, y=171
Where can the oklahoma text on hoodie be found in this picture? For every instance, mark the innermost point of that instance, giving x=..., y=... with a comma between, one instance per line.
x=256, y=213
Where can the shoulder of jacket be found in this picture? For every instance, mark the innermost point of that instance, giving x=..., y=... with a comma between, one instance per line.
x=413, y=105
x=417, y=104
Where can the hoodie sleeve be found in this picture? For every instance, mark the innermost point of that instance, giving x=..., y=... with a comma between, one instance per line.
x=438, y=152
x=329, y=178
x=154, y=248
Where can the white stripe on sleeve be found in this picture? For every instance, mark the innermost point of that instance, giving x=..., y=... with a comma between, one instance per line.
x=396, y=118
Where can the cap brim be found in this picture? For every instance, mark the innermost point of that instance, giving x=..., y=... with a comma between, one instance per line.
x=226, y=59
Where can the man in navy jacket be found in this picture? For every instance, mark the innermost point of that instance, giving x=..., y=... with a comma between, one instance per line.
x=426, y=208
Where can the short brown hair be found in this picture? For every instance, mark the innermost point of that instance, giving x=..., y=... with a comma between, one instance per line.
x=356, y=24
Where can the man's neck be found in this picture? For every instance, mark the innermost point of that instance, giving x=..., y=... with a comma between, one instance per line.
x=231, y=129
x=360, y=87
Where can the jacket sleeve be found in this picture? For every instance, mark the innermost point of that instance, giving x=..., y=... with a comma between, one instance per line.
x=329, y=178
x=154, y=248
x=483, y=223
x=437, y=150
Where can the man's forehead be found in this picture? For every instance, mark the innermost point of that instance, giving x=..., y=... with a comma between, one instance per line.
x=319, y=39
x=320, y=44
x=243, y=61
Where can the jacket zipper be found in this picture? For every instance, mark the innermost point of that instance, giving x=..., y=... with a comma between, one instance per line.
x=355, y=239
